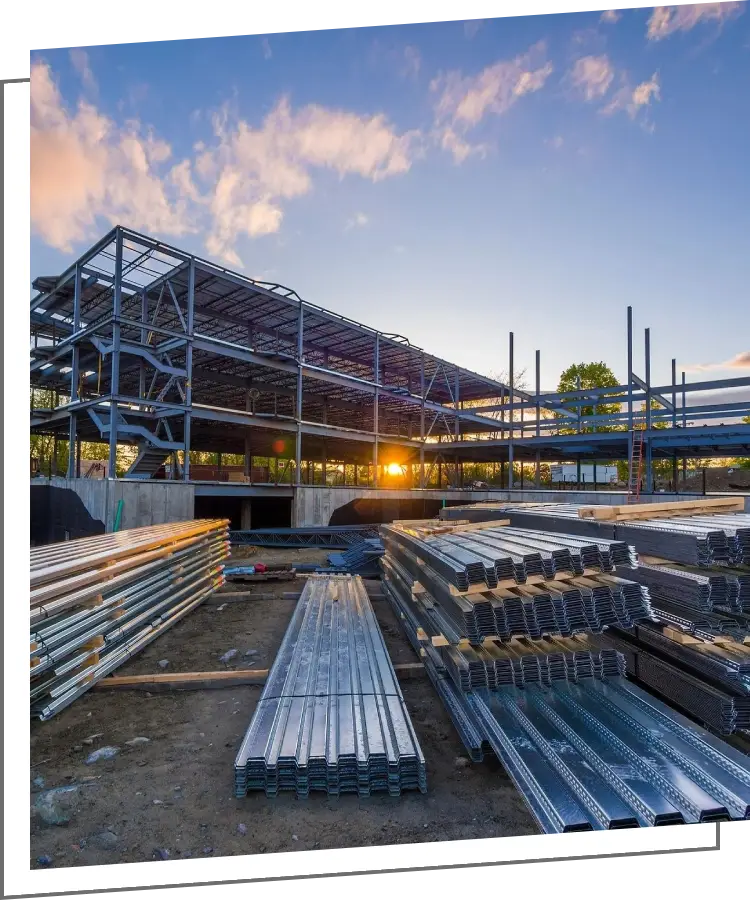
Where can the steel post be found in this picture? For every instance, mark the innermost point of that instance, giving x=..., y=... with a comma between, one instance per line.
x=649, y=460
x=376, y=424
x=115, y=379
x=510, y=412
x=74, y=374
x=300, y=360
x=190, y=328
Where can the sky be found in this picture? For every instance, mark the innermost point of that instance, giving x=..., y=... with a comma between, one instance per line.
x=450, y=182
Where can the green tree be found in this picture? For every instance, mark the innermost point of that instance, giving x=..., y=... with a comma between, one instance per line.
x=591, y=375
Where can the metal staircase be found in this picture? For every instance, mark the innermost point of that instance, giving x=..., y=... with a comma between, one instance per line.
x=148, y=462
x=153, y=450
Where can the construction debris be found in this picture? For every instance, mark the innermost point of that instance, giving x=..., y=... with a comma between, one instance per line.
x=331, y=716
x=96, y=602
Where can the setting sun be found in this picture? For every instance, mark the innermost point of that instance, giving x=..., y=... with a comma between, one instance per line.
x=394, y=469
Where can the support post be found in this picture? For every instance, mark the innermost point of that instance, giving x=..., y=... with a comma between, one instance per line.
x=376, y=425
x=538, y=413
x=421, y=424
x=300, y=359
x=74, y=374
x=115, y=385
x=684, y=425
x=144, y=340
x=674, y=422
x=630, y=393
x=510, y=413
x=649, y=460
x=189, y=367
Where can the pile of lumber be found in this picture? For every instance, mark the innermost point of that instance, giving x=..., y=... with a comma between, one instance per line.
x=95, y=602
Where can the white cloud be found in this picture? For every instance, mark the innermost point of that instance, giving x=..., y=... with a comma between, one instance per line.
x=556, y=142
x=610, y=16
x=592, y=76
x=666, y=20
x=412, y=62
x=472, y=28
x=740, y=361
x=80, y=61
x=634, y=99
x=463, y=101
x=266, y=47
x=85, y=168
x=358, y=220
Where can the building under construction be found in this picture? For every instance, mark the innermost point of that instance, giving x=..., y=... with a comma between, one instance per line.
x=141, y=343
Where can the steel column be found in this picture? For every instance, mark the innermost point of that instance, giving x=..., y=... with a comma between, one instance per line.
x=674, y=421
x=74, y=374
x=300, y=361
x=510, y=412
x=649, y=460
x=421, y=423
x=189, y=366
x=376, y=424
x=630, y=368
x=115, y=386
x=538, y=414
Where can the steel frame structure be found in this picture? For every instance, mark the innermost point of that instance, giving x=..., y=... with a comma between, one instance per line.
x=147, y=344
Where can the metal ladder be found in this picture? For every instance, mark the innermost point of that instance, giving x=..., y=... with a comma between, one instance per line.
x=635, y=473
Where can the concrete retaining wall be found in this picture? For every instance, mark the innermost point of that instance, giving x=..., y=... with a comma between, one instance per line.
x=143, y=502
x=316, y=505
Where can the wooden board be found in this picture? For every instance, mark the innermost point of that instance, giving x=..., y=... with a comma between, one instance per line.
x=197, y=681
x=663, y=510
x=479, y=526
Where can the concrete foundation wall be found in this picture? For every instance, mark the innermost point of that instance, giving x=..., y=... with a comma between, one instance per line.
x=143, y=502
x=316, y=505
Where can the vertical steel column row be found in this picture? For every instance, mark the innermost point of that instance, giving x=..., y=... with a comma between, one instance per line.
x=189, y=366
x=115, y=386
x=300, y=360
x=510, y=412
x=376, y=424
x=73, y=423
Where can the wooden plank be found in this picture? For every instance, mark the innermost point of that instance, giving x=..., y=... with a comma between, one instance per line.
x=197, y=681
x=655, y=510
x=480, y=526
x=681, y=637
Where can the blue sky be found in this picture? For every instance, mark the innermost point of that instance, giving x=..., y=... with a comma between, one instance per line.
x=448, y=181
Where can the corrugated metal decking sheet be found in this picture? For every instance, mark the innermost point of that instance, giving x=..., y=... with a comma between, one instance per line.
x=331, y=716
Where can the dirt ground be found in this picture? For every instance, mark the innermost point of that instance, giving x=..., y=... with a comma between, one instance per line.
x=172, y=796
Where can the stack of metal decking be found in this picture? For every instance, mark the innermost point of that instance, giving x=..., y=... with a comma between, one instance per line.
x=331, y=716
x=483, y=584
x=586, y=748
x=96, y=602
x=697, y=540
x=701, y=591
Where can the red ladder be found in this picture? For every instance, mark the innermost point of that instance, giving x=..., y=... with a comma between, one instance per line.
x=636, y=462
